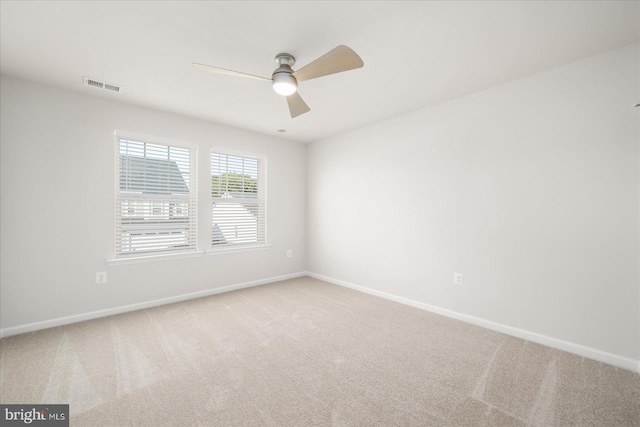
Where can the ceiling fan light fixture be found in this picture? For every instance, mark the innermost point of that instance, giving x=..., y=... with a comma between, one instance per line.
x=284, y=84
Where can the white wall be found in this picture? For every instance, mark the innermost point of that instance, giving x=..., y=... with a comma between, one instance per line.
x=58, y=206
x=531, y=189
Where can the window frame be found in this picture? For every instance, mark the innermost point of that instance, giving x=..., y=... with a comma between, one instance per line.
x=262, y=198
x=191, y=199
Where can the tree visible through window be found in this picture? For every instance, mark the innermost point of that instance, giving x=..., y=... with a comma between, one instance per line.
x=234, y=182
x=239, y=202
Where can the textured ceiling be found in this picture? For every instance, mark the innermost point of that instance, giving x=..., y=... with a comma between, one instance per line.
x=415, y=53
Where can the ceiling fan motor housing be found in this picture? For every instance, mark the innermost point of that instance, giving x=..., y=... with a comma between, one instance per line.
x=283, y=81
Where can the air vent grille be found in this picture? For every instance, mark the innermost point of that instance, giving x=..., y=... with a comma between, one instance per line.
x=112, y=87
x=101, y=85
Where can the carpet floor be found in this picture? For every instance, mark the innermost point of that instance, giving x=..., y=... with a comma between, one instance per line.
x=303, y=352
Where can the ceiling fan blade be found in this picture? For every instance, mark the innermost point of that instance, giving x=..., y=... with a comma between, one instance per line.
x=338, y=59
x=217, y=70
x=296, y=105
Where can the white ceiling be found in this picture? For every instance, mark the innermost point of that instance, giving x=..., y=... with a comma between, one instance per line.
x=415, y=53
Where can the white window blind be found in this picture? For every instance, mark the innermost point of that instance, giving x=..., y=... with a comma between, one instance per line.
x=155, y=199
x=238, y=189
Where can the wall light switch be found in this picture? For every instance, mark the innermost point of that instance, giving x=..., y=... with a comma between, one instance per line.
x=289, y=253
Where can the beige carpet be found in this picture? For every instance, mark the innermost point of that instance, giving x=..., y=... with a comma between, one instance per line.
x=301, y=353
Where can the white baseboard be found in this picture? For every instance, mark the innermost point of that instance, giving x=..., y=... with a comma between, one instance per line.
x=30, y=327
x=580, y=350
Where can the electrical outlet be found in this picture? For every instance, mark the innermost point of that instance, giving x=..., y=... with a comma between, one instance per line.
x=101, y=278
x=457, y=278
x=289, y=253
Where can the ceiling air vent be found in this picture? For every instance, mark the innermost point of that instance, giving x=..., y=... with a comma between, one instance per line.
x=101, y=85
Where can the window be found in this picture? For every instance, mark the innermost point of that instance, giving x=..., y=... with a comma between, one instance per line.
x=238, y=190
x=155, y=198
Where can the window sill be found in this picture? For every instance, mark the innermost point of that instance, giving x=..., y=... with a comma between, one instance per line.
x=241, y=248
x=151, y=258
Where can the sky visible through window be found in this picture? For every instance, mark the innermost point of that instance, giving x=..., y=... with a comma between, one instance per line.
x=224, y=163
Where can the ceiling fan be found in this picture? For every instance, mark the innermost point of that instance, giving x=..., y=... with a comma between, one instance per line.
x=285, y=80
